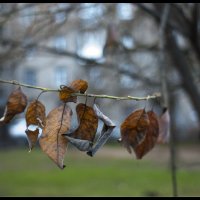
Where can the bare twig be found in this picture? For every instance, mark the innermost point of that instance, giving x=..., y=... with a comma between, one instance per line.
x=14, y=82
x=158, y=17
x=154, y=96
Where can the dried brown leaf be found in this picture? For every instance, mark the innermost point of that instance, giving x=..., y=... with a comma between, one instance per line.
x=151, y=136
x=16, y=103
x=32, y=137
x=35, y=115
x=79, y=85
x=65, y=94
x=52, y=142
x=133, y=129
x=88, y=123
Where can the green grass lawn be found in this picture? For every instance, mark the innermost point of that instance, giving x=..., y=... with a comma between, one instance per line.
x=34, y=174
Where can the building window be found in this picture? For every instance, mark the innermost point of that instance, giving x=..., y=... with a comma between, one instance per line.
x=90, y=44
x=91, y=11
x=28, y=16
x=128, y=41
x=96, y=77
x=31, y=52
x=30, y=77
x=60, y=76
x=60, y=43
x=60, y=17
x=125, y=11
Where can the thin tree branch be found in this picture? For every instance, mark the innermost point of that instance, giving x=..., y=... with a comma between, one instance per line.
x=12, y=13
x=14, y=82
x=66, y=53
x=181, y=13
x=158, y=17
x=109, y=66
x=88, y=62
x=154, y=96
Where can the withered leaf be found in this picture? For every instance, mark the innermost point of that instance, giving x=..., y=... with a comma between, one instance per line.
x=107, y=121
x=151, y=136
x=35, y=115
x=82, y=145
x=105, y=132
x=133, y=129
x=164, y=127
x=16, y=103
x=88, y=123
x=65, y=94
x=52, y=141
x=79, y=85
x=32, y=137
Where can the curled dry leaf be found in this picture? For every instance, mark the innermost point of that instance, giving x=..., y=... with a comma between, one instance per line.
x=65, y=94
x=151, y=136
x=16, y=103
x=133, y=129
x=82, y=145
x=84, y=135
x=52, y=141
x=88, y=123
x=105, y=132
x=79, y=85
x=32, y=137
x=164, y=127
x=76, y=86
x=35, y=115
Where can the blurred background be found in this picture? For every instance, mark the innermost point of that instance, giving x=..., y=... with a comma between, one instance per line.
x=121, y=49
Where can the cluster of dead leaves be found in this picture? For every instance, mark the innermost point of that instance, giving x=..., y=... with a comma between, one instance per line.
x=140, y=131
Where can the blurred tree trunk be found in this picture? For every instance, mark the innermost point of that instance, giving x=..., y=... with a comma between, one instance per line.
x=189, y=29
x=184, y=69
